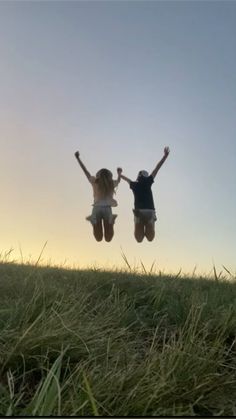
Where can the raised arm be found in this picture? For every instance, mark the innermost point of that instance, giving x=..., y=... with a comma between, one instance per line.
x=86, y=172
x=119, y=171
x=158, y=166
x=126, y=178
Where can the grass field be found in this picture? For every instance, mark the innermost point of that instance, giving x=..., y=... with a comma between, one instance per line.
x=92, y=343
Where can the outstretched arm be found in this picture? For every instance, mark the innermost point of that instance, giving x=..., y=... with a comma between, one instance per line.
x=86, y=172
x=126, y=178
x=158, y=166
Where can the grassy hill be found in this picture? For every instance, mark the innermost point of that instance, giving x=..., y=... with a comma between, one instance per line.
x=112, y=343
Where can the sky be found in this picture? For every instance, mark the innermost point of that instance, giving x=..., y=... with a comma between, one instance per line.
x=118, y=81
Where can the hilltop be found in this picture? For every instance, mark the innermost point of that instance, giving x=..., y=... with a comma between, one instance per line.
x=91, y=342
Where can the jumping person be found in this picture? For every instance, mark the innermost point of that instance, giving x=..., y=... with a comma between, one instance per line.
x=103, y=186
x=144, y=210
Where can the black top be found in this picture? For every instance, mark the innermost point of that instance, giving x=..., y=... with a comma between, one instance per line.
x=143, y=198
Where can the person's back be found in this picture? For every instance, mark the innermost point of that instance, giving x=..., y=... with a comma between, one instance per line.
x=143, y=198
x=103, y=188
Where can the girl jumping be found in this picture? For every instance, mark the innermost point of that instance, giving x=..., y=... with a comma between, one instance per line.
x=144, y=210
x=103, y=186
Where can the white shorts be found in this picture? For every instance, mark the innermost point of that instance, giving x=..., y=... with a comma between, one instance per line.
x=101, y=212
x=145, y=216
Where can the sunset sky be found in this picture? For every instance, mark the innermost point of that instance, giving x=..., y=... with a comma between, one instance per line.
x=119, y=81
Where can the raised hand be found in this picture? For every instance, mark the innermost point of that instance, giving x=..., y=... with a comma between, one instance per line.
x=166, y=151
x=77, y=154
x=119, y=170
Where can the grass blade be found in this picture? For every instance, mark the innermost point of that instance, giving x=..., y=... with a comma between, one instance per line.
x=90, y=396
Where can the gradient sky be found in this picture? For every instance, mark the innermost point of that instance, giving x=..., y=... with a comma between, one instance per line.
x=118, y=80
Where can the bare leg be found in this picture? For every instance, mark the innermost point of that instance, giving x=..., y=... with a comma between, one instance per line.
x=108, y=230
x=150, y=231
x=139, y=231
x=97, y=231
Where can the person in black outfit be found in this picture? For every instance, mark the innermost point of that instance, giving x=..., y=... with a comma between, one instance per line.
x=144, y=209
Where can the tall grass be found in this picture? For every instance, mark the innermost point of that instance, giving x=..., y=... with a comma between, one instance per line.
x=115, y=343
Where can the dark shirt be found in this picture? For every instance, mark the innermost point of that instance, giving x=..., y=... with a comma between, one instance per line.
x=143, y=198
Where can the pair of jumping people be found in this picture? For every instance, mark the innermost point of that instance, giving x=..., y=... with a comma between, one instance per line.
x=103, y=184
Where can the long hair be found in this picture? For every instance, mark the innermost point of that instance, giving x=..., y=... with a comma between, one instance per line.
x=105, y=182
